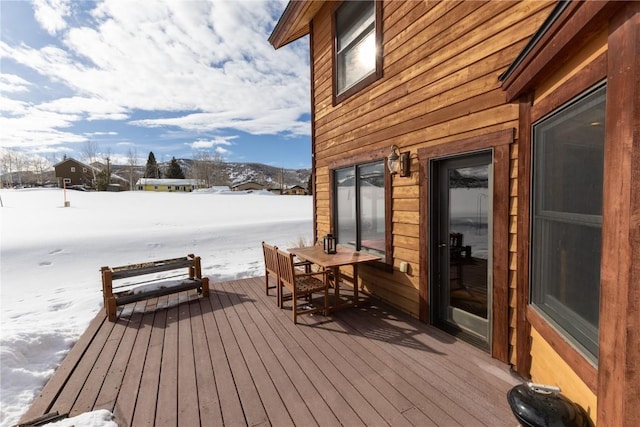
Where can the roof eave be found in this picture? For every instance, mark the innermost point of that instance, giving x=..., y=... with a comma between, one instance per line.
x=294, y=22
x=568, y=26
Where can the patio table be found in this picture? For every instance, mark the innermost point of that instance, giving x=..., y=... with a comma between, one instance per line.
x=343, y=257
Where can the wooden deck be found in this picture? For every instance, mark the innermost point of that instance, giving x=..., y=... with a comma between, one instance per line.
x=235, y=359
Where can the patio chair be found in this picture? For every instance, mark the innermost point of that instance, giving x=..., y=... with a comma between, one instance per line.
x=271, y=268
x=458, y=248
x=301, y=284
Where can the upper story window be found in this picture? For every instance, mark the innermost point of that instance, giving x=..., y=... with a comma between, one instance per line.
x=359, y=202
x=566, y=229
x=73, y=169
x=358, y=46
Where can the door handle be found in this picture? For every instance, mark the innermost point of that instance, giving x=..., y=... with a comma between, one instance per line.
x=442, y=245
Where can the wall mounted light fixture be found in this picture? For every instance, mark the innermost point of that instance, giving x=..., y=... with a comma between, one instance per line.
x=399, y=163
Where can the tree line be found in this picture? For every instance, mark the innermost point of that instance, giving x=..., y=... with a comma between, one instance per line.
x=18, y=169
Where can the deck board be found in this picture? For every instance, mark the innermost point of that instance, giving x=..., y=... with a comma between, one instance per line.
x=208, y=400
x=144, y=411
x=127, y=391
x=236, y=359
x=188, y=412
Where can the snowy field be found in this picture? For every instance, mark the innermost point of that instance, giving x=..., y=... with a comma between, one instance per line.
x=50, y=258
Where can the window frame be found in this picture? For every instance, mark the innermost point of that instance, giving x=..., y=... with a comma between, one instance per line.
x=544, y=312
x=356, y=170
x=375, y=74
x=386, y=261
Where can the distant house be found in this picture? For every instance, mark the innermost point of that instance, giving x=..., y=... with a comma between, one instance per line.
x=118, y=183
x=248, y=186
x=170, y=185
x=296, y=190
x=74, y=172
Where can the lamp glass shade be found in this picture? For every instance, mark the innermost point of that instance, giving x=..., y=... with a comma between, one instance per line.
x=393, y=162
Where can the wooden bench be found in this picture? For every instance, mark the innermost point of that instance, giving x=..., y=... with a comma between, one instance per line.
x=163, y=286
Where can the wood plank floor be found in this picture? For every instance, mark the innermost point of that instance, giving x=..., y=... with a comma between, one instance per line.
x=235, y=359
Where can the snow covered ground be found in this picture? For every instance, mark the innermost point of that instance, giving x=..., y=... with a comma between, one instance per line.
x=50, y=257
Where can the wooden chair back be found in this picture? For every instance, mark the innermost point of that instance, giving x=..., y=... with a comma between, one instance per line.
x=301, y=284
x=271, y=268
x=286, y=269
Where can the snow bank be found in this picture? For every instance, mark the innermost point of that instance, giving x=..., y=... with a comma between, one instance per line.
x=50, y=259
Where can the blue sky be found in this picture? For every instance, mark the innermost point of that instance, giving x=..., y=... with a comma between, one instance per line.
x=176, y=77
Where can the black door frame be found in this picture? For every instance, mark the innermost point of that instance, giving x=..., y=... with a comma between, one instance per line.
x=504, y=256
x=440, y=268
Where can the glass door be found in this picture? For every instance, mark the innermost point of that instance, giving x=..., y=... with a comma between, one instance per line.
x=461, y=189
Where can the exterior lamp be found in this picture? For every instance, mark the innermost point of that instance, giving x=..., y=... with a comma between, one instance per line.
x=329, y=244
x=398, y=163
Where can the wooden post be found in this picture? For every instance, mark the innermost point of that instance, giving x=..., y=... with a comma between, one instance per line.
x=192, y=268
x=107, y=293
x=198, y=274
x=205, y=287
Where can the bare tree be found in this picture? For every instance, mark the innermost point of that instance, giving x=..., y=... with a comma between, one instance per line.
x=202, y=167
x=211, y=169
x=107, y=160
x=208, y=167
x=19, y=164
x=90, y=151
x=132, y=159
x=6, y=168
x=39, y=165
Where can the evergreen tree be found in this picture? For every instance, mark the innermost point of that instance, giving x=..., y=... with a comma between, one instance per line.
x=174, y=171
x=152, y=170
x=102, y=180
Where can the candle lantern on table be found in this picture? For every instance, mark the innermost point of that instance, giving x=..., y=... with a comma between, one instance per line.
x=329, y=244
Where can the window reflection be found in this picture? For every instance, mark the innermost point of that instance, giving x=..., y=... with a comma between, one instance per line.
x=360, y=206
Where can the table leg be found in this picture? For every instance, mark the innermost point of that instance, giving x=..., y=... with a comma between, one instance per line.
x=355, y=285
x=336, y=286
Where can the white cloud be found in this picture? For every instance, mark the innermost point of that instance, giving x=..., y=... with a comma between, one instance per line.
x=93, y=108
x=218, y=141
x=210, y=61
x=101, y=133
x=222, y=151
x=10, y=83
x=51, y=14
x=35, y=128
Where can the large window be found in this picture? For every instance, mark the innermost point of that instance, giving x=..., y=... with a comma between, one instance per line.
x=359, y=199
x=568, y=164
x=357, y=45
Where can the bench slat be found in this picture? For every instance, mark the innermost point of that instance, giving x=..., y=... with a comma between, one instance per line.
x=129, y=296
x=134, y=270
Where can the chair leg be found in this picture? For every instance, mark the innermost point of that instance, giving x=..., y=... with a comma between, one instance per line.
x=325, y=311
x=294, y=307
x=266, y=282
x=279, y=294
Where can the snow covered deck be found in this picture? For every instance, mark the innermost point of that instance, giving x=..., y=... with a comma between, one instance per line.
x=236, y=359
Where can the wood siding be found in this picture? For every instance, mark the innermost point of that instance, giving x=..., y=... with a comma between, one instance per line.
x=440, y=85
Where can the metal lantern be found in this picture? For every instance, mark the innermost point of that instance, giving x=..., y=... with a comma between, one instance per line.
x=330, y=243
x=399, y=163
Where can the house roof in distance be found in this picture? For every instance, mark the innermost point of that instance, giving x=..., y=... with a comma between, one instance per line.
x=162, y=181
x=72, y=160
